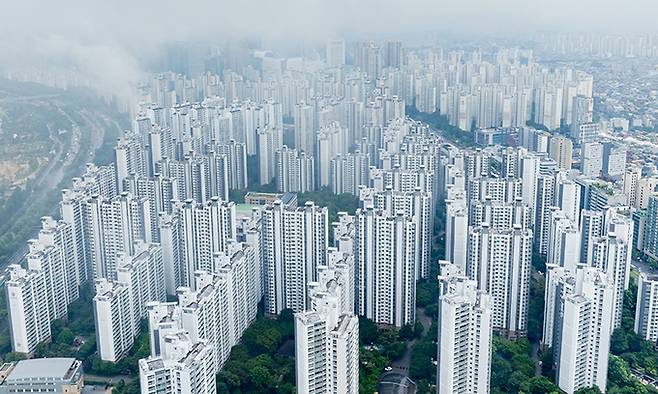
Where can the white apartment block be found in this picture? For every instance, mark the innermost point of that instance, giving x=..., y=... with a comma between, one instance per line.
x=51, y=279
x=499, y=260
x=270, y=140
x=545, y=201
x=464, y=335
x=456, y=237
x=403, y=180
x=52, y=253
x=218, y=311
x=646, y=310
x=183, y=366
x=204, y=229
x=295, y=171
x=563, y=241
x=560, y=282
x=331, y=141
x=129, y=158
x=348, y=172
x=294, y=243
x=113, y=227
x=236, y=154
x=305, y=131
x=506, y=190
x=120, y=305
x=343, y=230
x=611, y=254
x=170, y=242
x=500, y=215
x=73, y=209
x=159, y=191
x=585, y=331
x=27, y=307
x=337, y=276
x=385, y=259
x=327, y=334
x=416, y=205
x=591, y=226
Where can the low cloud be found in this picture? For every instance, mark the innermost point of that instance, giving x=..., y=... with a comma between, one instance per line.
x=107, y=43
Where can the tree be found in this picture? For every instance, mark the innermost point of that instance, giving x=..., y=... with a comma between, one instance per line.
x=231, y=380
x=260, y=377
x=618, y=371
x=618, y=342
x=406, y=332
x=547, y=363
x=418, y=329
x=66, y=337
x=367, y=331
x=423, y=294
x=500, y=372
x=515, y=380
x=101, y=367
x=538, y=385
x=14, y=356
x=589, y=390
x=536, y=307
x=394, y=349
x=421, y=360
x=268, y=340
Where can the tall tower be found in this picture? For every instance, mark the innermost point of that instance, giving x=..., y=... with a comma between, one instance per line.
x=586, y=327
x=464, y=336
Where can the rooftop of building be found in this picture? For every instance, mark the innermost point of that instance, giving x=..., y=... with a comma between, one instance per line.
x=43, y=368
x=245, y=209
x=261, y=198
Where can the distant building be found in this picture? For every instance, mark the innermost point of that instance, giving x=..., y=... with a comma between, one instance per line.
x=632, y=176
x=348, y=172
x=500, y=261
x=335, y=53
x=560, y=150
x=270, y=140
x=651, y=228
x=42, y=375
x=614, y=160
x=585, y=133
x=295, y=171
x=645, y=188
x=493, y=136
x=218, y=311
x=591, y=159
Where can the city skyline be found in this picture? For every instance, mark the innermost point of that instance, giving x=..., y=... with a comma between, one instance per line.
x=320, y=198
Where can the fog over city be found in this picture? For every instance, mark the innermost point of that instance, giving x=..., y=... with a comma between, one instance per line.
x=112, y=42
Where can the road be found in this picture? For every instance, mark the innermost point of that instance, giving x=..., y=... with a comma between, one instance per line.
x=69, y=153
x=403, y=364
x=645, y=379
x=108, y=379
x=535, y=358
x=643, y=267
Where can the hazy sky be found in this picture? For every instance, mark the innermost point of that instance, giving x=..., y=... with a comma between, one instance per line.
x=107, y=39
